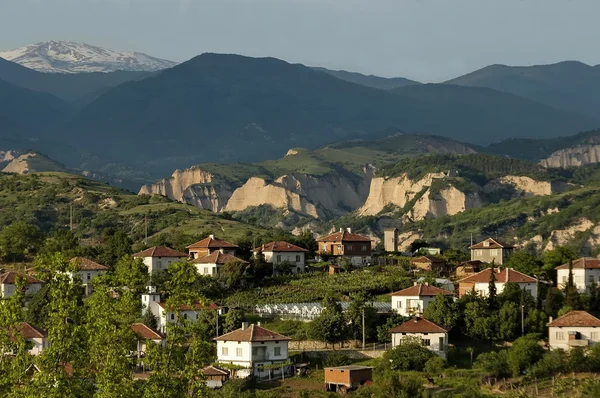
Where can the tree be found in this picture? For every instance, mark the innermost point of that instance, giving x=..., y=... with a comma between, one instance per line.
x=233, y=320
x=525, y=262
x=63, y=241
x=383, y=331
x=555, y=300
x=553, y=258
x=330, y=326
x=535, y=321
x=150, y=320
x=572, y=298
x=354, y=316
x=479, y=322
x=443, y=311
x=132, y=273
x=509, y=320
x=38, y=307
x=492, y=299
x=494, y=363
x=116, y=245
x=435, y=365
x=19, y=240
x=231, y=273
x=410, y=355
x=513, y=293
x=525, y=351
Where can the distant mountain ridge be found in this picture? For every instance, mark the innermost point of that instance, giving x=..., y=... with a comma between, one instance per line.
x=383, y=83
x=71, y=57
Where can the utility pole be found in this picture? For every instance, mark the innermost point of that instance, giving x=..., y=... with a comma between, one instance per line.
x=522, y=321
x=146, y=229
x=363, y=328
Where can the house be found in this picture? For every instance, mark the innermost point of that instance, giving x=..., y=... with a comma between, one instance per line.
x=444, y=283
x=491, y=251
x=87, y=271
x=151, y=302
x=278, y=253
x=468, y=268
x=586, y=273
x=346, y=244
x=390, y=239
x=574, y=329
x=479, y=282
x=212, y=263
x=430, y=263
x=415, y=299
x=36, y=337
x=8, y=284
x=215, y=377
x=209, y=245
x=145, y=334
x=430, y=334
x=342, y=379
x=254, y=347
x=159, y=258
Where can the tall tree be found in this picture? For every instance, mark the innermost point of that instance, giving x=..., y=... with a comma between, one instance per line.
x=19, y=240
x=233, y=320
x=330, y=326
x=354, y=316
x=492, y=298
x=572, y=298
x=443, y=311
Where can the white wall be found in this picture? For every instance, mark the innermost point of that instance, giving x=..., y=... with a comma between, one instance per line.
x=410, y=305
x=207, y=269
x=434, y=341
x=483, y=288
x=296, y=259
x=558, y=337
x=8, y=289
x=247, y=358
x=160, y=263
x=39, y=344
x=583, y=278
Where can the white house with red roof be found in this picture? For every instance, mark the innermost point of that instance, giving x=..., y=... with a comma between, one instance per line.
x=280, y=252
x=151, y=301
x=586, y=273
x=144, y=335
x=159, y=258
x=8, y=285
x=576, y=329
x=415, y=299
x=212, y=263
x=430, y=334
x=37, y=337
x=210, y=245
x=480, y=282
x=87, y=271
x=254, y=347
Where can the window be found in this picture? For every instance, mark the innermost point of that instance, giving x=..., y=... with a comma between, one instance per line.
x=172, y=316
x=399, y=304
x=564, y=279
x=238, y=351
x=594, y=336
x=349, y=247
x=298, y=258
x=560, y=335
x=159, y=264
x=225, y=351
x=324, y=247
x=205, y=271
x=494, y=252
x=591, y=279
x=89, y=276
x=277, y=351
x=279, y=258
x=426, y=342
x=363, y=248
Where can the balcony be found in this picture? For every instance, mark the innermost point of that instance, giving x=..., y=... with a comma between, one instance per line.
x=578, y=343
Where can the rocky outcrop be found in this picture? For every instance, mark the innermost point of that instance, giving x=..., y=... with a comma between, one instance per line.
x=561, y=237
x=33, y=163
x=447, y=202
x=525, y=186
x=575, y=156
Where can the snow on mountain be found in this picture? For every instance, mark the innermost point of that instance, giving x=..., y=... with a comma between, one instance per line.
x=70, y=57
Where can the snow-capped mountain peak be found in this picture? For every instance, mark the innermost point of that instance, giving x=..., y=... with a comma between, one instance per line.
x=71, y=57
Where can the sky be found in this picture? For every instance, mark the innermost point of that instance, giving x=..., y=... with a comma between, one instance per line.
x=425, y=40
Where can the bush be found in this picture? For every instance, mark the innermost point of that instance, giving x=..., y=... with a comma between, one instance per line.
x=435, y=366
x=551, y=363
x=408, y=356
x=493, y=363
x=336, y=358
x=524, y=352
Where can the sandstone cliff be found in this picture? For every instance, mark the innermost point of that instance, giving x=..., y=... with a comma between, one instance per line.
x=576, y=156
x=447, y=202
x=525, y=186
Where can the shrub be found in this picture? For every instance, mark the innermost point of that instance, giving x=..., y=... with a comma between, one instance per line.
x=408, y=356
x=435, y=365
x=336, y=358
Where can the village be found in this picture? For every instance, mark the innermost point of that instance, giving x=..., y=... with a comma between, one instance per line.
x=424, y=315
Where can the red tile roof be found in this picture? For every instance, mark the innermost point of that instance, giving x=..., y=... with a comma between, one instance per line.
x=217, y=257
x=31, y=332
x=428, y=259
x=503, y=275
x=160, y=251
x=422, y=290
x=86, y=264
x=582, y=263
x=418, y=325
x=576, y=318
x=252, y=333
x=344, y=236
x=214, y=371
x=193, y=307
x=280, y=247
x=212, y=243
x=146, y=332
x=493, y=244
x=11, y=276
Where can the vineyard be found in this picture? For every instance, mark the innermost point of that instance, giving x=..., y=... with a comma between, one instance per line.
x=314, y=287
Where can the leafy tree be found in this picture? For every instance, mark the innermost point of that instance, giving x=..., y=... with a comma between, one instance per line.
x=307, y=240
x=131, y=273
x=509, y=320
x=383, y=331
x=513, y=293
x=492, y=299
x=553, y=362
x=524, y=352
x=572, y=298
x=38, y=307
x=495, y=363
x=553, y=258
x=336, y=358
x=19, y=240
x=150, y=320
x=233, y=320
x=410, y=355
x=231, y=273
x=525, y=262
x=116, y=245
x=577, y=361
x=535, y=321
x=354, y=317
x=435, y=365
x=330, y=326
x=479, y=322
x=63, y=241
x=555, y=300
x=443, y=311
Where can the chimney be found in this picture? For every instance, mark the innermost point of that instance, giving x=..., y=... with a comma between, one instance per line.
x=211, y=236
x=349, y=230
x=244, y=325
x=415, y=283
x=257, y=323
x=550, y=319
x=341, y=229
x=426, y=283
x=222, y=250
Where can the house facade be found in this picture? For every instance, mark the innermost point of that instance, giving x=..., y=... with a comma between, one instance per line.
x=576, y=329
x=8, y=284
x=390, y=239
x=586, y=273
x=87, y=271
x=36, y=337
x=254, y=348
x=278, y=253
x=414, y=300
x=468, y=268
x=145, y=334
x=491, y=251
x=209, y=245
x=479, y=282
x=346, y=244
x=342, y=379
x=159, y=258
x=430, y=263
x=432, y=336
x=212, y=263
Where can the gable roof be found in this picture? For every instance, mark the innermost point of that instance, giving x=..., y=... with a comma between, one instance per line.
x=194, y=307
x=422, y=290
x=160, y=251
x=252, y=333
x=428, y=259
x=214, y=371
x=217, y=257
x=146, y=332
x=280, y=246
x=344, y=236
x=11, y=276
x=85, y=264
x=212, y=243
x=418, y=325
x=582, y=263
x=493, y=244
x=503, y=275
x=576, y=318
x=31, y=332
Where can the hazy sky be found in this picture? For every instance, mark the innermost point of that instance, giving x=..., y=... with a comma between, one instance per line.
x=427, y=40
